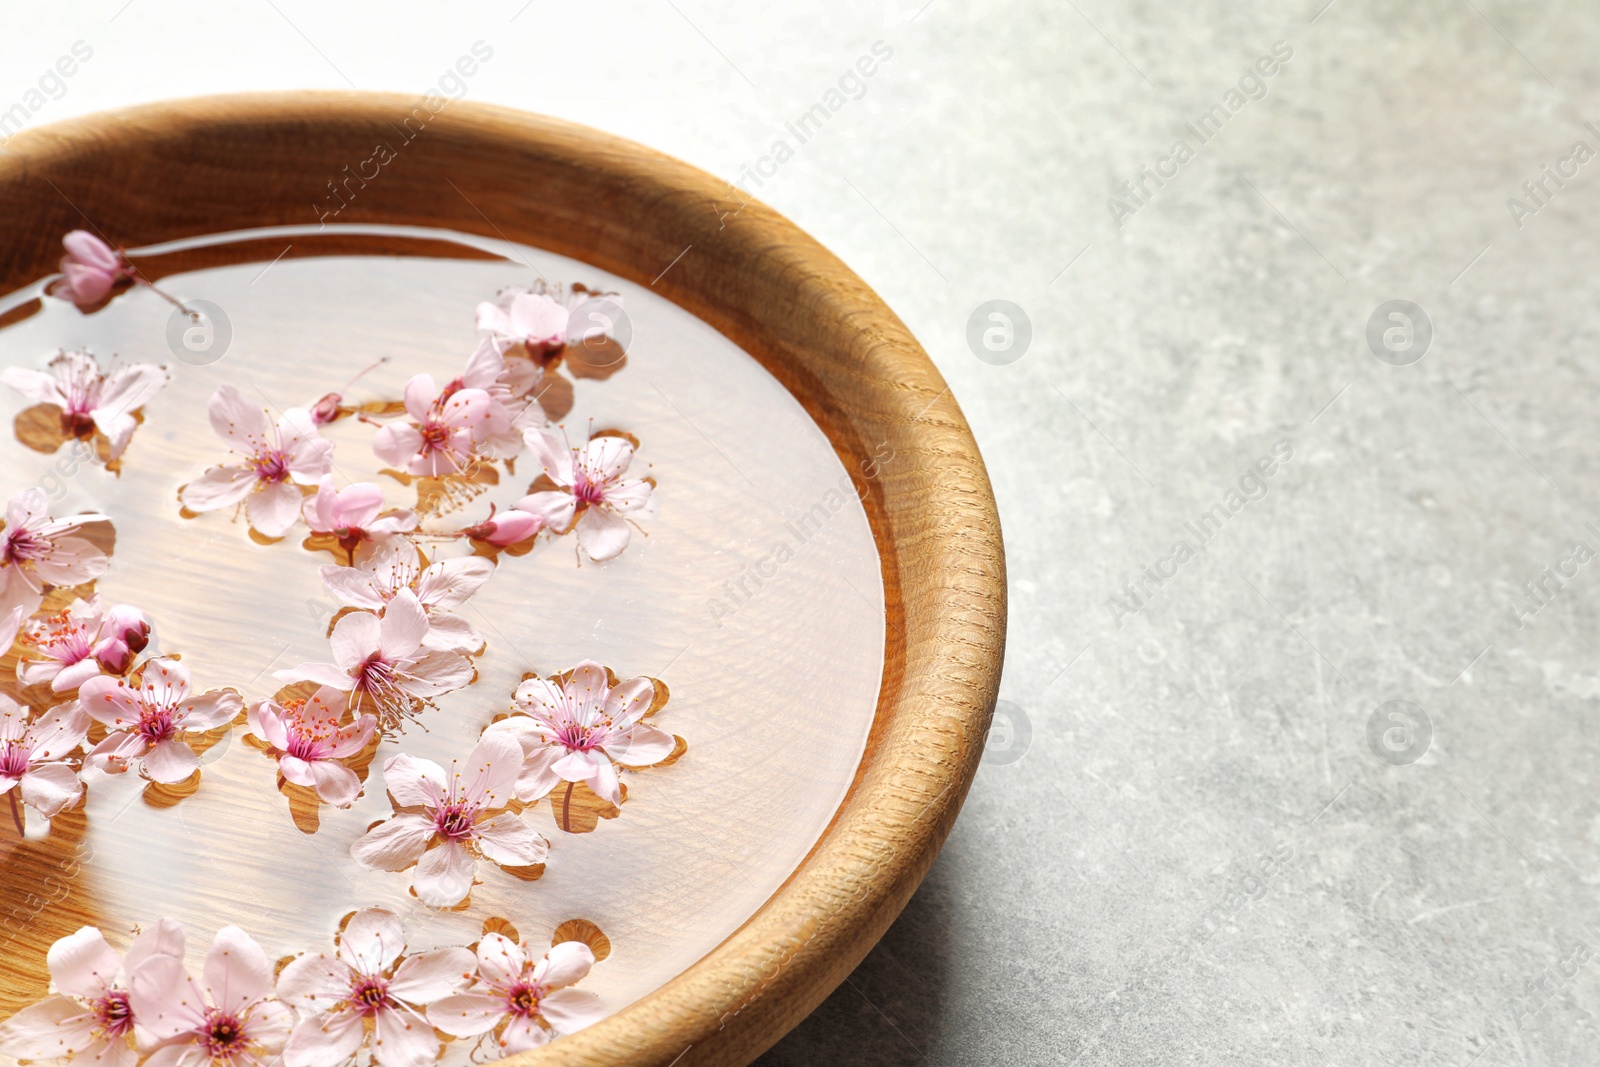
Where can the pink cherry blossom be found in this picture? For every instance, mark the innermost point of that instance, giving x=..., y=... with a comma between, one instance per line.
x=36, y=550
x=513, y=409
x=396, y=565
x=33, y=757
x=278, y=457
x=224, y=1020
x=89, y=399
x=79, y=642
x=442, y=437
x=531, y=995
x=532, y=319
x=384, y=659
x=509, y=527
x=148, y=720
x=91, y=1017
x=351, y=514
x=90, y=269
x=309, y=741
x=454, y=813
x=592, y=486
x=581, y=729
x=337, y=996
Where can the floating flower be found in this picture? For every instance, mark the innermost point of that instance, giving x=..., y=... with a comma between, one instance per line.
x=227, y=1020
x=384, y=659
x=91, y=1017
x=591, y=485
x=581, y=729
x=308, y=739
x=148, y=719
x=351, y=514
x=396, y=565
x=89, y=399
x=36, y=550
x=454, y=812
x=33, y=757
x=509, y=527
x=90, y=269
x=513, y=410
x=337, y=996
x=530, y=995
x=442, y=439
x=530, y=318
x=277, y=458
x=79, y=642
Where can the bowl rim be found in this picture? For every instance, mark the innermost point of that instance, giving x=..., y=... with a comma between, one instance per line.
x=761, y=281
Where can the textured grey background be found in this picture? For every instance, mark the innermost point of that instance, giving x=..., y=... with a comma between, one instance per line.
x=1198, y=858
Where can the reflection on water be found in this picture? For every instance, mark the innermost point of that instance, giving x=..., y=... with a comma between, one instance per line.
x=754, y=594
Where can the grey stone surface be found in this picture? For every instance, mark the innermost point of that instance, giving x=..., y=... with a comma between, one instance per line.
x=1199, y=859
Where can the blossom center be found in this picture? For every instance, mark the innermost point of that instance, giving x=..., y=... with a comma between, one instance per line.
x=61, y=638
x=369, y=995
x=113, y=1014
x=270, y=467
x=580, y=738
x=523, y=999
x=22, y=544
x=588, y=492
x=156, y=726
x=454, y=821
x=13, y=759
x=222, y=1035
x=436, y=435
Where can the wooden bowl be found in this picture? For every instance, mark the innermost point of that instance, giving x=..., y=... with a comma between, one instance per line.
x=220, y=164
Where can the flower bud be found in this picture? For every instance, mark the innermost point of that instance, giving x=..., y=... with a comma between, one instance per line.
x=123, y=635
x=506, y=528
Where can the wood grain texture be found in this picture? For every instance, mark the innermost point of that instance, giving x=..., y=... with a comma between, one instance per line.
x=204, y=166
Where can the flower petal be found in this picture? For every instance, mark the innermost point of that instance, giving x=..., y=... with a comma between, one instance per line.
x=467, y=1014
x=500, y=960
x=51, y=1029
x=402, y=1041
x=510, y=842
x=240, y=422
x=444, y=876
x=372, y=940
x=218, y=487
x=328, y=1040
x=565, y=964
x=336, y=784
x=51, y=788
x=208, y=711
x=394, y=845
x=414, y=782
x=603, y=533
x=83, y=965
x=314, y=983
x=170, y=762
x=430, y=976
x=237, y=973
x=570, y=1010
x=274, y=509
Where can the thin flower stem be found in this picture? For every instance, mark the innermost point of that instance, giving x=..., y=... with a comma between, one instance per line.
x=566, y=808
x=168, y=297
x=16, y=815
